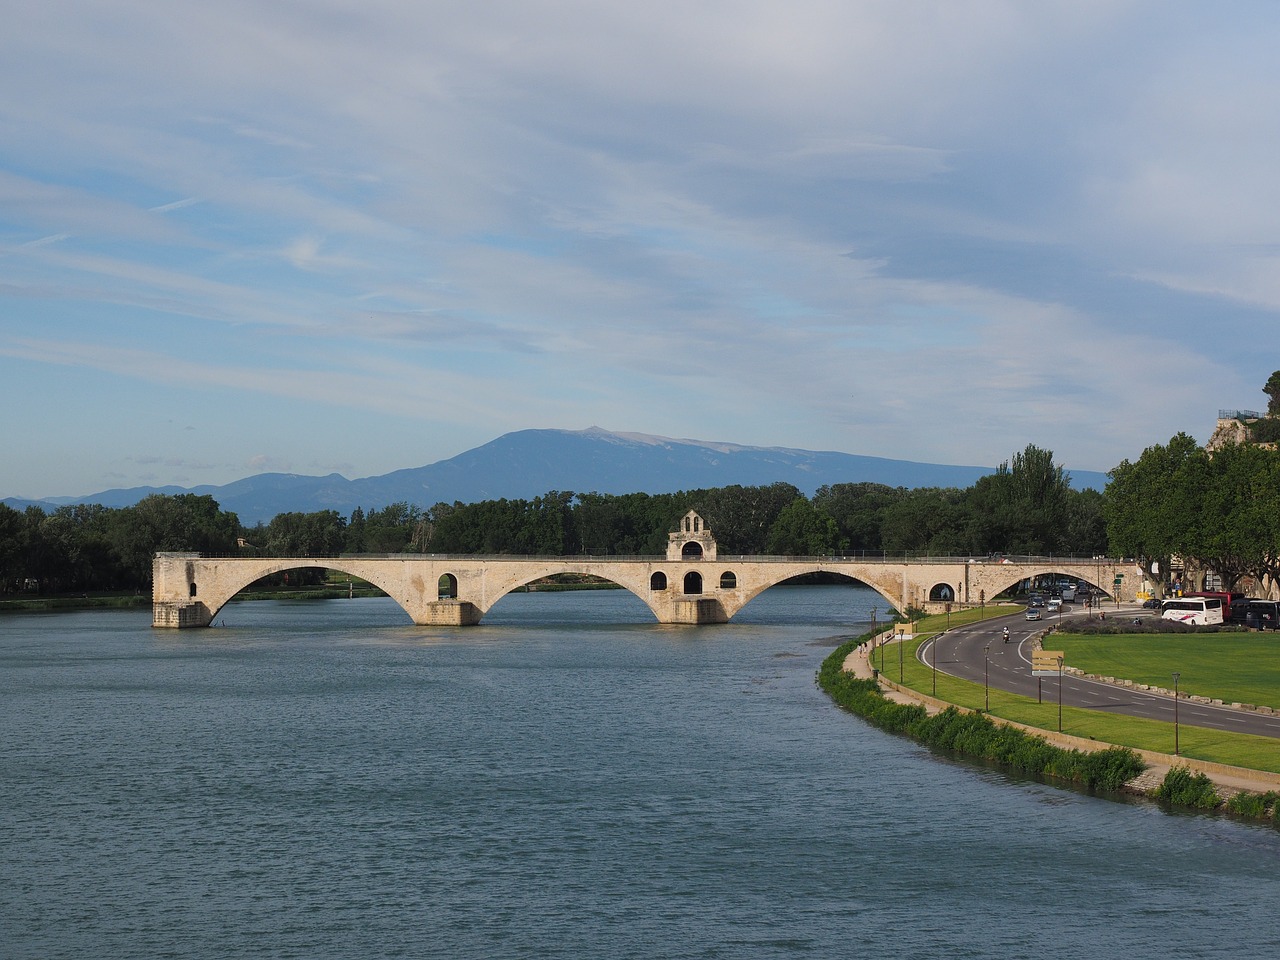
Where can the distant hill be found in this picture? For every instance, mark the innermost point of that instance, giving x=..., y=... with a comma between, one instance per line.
x=529, y=463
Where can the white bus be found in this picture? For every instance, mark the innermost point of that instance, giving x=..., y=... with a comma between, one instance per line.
x=1200, y=611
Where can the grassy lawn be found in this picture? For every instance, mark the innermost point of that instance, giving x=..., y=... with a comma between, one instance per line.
x=1234, y=667
x=1258, y=753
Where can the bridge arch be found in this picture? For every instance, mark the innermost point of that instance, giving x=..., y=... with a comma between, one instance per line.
x=1048, y=569
x=752, y=584
x=223, y=588
x=637, y=580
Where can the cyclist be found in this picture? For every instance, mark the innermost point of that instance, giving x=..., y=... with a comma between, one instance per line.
x=1006, y=634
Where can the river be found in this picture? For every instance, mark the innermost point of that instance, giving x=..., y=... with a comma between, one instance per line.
x=567, y=779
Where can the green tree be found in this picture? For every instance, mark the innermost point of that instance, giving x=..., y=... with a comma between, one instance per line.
x=1272, y=390
x=801, y=530
x=928, y=520
x=186, y=522
x=354, y=539
x=1235, y=496
x=12, y=557
x=741, y=517
x=1150, y=503
x=859, y=512
x=389, y=530
x=318, y=534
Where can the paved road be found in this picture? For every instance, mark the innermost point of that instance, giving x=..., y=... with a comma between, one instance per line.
x=967, y=652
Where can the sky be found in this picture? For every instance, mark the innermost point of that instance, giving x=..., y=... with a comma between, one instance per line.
x=317, y=236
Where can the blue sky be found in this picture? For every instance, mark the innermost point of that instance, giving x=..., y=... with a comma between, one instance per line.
x=326, y=236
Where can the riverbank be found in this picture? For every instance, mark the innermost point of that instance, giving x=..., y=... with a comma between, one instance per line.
x=84, y=602
x=1227, y=780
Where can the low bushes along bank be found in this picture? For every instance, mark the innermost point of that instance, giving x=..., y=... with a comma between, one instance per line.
x=1183, y=788
x=977, y=736
x=973, y=734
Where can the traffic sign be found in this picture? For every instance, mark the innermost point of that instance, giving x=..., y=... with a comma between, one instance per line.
x=1045, y=663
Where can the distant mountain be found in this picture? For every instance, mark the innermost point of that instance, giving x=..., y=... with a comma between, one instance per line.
x=529, y=463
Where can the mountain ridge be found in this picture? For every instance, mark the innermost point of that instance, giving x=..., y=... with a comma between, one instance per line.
x=528, y=463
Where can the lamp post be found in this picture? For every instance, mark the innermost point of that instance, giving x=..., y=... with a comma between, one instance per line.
x=875, y=637
x=1176, y=675
x=933, y=659
x=986, y=678
x=902, y=642
x=1059, y=694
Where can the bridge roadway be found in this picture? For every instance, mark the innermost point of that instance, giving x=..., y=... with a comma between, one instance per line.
x=189, y=589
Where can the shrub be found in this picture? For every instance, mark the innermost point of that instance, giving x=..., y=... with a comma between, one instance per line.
x=1184, y=789
x=1248, y=804
x=1266, y=430
x=973, y=734
x=1123, y=624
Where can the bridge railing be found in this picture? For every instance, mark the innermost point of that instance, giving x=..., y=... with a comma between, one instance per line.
x=864, y=556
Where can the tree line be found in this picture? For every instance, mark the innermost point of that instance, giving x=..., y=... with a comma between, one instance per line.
x=1026, y=507
x=1216, y=511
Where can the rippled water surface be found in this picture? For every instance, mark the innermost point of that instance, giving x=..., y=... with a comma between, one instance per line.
x=568, y=779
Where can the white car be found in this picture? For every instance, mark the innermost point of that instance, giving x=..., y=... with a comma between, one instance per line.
x=1055, y=604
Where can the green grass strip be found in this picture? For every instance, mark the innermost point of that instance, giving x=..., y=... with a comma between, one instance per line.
x=1233, y=667
x=1236, y=749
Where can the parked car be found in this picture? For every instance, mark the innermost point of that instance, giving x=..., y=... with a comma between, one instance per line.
x=1033, y=613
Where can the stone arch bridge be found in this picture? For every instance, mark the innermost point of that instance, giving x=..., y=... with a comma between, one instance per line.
x=691, y=585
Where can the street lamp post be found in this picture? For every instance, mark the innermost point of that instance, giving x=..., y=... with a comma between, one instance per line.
x=1176, y=675
x=986, y=678
x=875, y=637
x=1059, y=694
x=933, y=658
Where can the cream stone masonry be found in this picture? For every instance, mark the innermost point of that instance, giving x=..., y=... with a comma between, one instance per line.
x=691, y=585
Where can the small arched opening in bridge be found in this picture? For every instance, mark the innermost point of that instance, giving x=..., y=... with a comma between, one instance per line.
x=658, y=581
x=193, y=589
x=728, y=580
x=692, y=583
x=942, y=593
x=691, y=550
x=447, y=588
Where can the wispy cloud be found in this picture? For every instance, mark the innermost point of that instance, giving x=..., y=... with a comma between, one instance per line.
x=904, y=229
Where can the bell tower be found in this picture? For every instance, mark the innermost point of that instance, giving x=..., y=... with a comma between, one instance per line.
x=693, y=541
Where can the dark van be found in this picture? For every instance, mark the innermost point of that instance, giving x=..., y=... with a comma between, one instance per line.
x=1263, y=614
